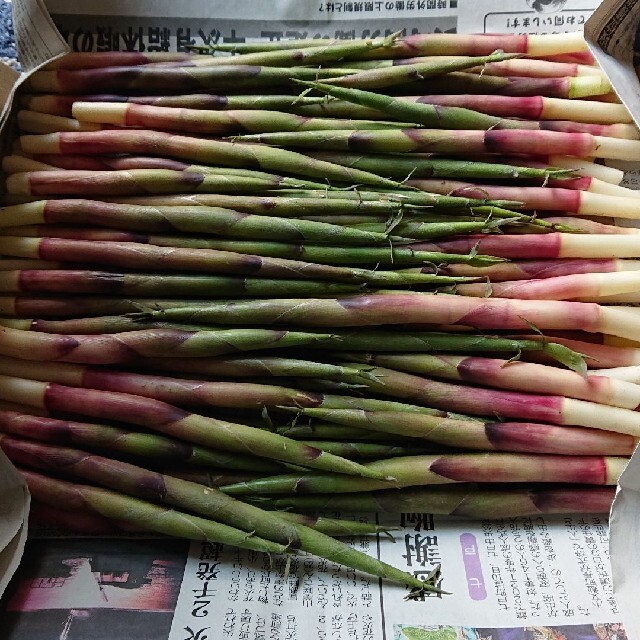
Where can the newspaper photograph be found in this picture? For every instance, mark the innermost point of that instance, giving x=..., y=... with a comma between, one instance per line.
x=95, y=588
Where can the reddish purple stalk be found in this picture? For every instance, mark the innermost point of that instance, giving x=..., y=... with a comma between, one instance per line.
x=551, y=268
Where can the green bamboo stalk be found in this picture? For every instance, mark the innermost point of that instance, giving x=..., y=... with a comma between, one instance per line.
x=334, y=401
x=440, y=117
x=435, y=44
x=544, y=246
x=208, y=477
x=451, y=141
x=175, y=391
x=141, y=182
x=462, y=82
x=183, y=207
x=348, y=221
x=402, y=308
x=335, y=527
x=402, y=167
x=466, y=500
x=383, y=78
x=221, y=341
x=139, y=513
x=169, y=79
x=35, y=122
x=324, y=53
x=424, y=227
x=551, y=407
x=151, y=284
x=407, y=342
x=79, y=162
x=443, y=469
x=63, y=306
x=95, y=326
x=411, y=198
x=544, y=268
x=128, y=347
x=175, y=492
x=334, y=202
x=92, y=60
x=84, y=306
x=44, y=516
x=528, y=67
x=148, y=446
x=89, y=116
x=242, y=366
x=392, y=256
x=317, y=385
x=535, y=107
x=418, y=230
x=363, y=450
x=581, y=166
x=171, y=421
x=532, y=107
x=578, y=286
x=507, y=374
x=603, y=352
x=523, y=437
x=130, y=255
x=205, y=151
x=214, y=221
x=443, y=116
x=150, y=486
x=326, y=431
x=61, y=105
x=78, y=521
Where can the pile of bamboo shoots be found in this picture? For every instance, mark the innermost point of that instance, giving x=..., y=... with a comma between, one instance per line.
x=374, y=275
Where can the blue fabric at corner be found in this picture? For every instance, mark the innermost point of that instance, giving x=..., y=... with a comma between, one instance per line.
x=7, y=43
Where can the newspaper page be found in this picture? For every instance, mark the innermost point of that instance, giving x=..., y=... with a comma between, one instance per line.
x=524, y=16
x=14, y=509
x=167, y=26
x=14, y=496
x=504, y=578
x=37, y=39
x=612, y=36
x=625, y=557
x=525, y=578
x=8, y=79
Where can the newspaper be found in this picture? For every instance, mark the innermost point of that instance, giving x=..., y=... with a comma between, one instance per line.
x=612, y=36
x=14, y=498
x=540, y=577
x=526, y=577
x=524, y=16
x=165, y=26
x=14, y=508
x=624, y=550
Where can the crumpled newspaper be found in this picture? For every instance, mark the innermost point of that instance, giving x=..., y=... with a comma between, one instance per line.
x=14, y=496
x=14, y=511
